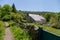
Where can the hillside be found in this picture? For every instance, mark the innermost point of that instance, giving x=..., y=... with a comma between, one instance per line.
x=23, y=29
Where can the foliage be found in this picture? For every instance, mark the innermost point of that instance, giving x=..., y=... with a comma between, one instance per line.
x=10, y=14
x=6, y=18
x=58, y=15
x=11, y=23
x=54, y=23
x=47, y=16
x=52, y=30
x=14, y=9
x=6, y=9
x=52, y=20
x=20, y=34
x=2, y=28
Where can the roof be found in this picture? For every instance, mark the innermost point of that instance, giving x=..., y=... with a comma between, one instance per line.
x=36, y=17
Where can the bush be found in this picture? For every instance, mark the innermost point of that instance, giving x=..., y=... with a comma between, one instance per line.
x=6, y=18
x=20, y=34
x=2, y=28
x=56, y=25
x=11, y=22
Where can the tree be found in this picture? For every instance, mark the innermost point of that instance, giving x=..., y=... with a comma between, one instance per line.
x=0, y=11
x=6, y=9
x=52, y=20
x=58, y=15
x=47, y=16
x=6, y=18
x=14, y=9
x=0, y=8
x=54, y=23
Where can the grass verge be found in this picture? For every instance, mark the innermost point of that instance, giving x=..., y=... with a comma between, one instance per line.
x=52, y=30
x=2, y=28
x=20, y=34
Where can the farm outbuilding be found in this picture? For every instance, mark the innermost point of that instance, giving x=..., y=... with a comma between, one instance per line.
x=36, y=18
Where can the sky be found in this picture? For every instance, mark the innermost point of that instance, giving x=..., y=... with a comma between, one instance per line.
x=34, y=5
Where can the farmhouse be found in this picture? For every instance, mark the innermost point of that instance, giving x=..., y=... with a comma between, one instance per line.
x=35, y=18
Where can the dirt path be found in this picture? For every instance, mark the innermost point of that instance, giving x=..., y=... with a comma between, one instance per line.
x=8, y=34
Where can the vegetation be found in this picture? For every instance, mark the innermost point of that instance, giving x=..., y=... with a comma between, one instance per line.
x=2, y=28
x=19, y=33
x=14, y=9
x=49, y=29
x=11, y=15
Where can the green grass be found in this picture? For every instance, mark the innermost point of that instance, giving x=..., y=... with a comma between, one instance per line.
x=20, y=34
x=34, y=23
x=52, y=30
x=49, y=29
x=2, y=28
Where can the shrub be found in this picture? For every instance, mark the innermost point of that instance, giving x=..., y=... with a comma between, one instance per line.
x=6, y=18
x=56, y=25
x=11, y=22
x=20, y=34
x=2, y=28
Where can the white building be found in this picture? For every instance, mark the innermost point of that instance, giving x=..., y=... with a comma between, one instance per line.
x=36, y=18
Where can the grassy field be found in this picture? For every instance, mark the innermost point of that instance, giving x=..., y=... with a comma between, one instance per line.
x=52, y=30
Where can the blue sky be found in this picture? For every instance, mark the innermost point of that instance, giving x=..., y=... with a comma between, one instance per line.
x=34, y=5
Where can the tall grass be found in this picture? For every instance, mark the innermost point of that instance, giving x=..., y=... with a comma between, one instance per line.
x=20, y=34
x=52, y=30
x=2, y=28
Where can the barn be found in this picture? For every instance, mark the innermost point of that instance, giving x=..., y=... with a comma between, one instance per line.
x=36, y=18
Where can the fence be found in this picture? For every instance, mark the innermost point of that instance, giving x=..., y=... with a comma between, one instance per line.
x=44, y=35
x=40, y=34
